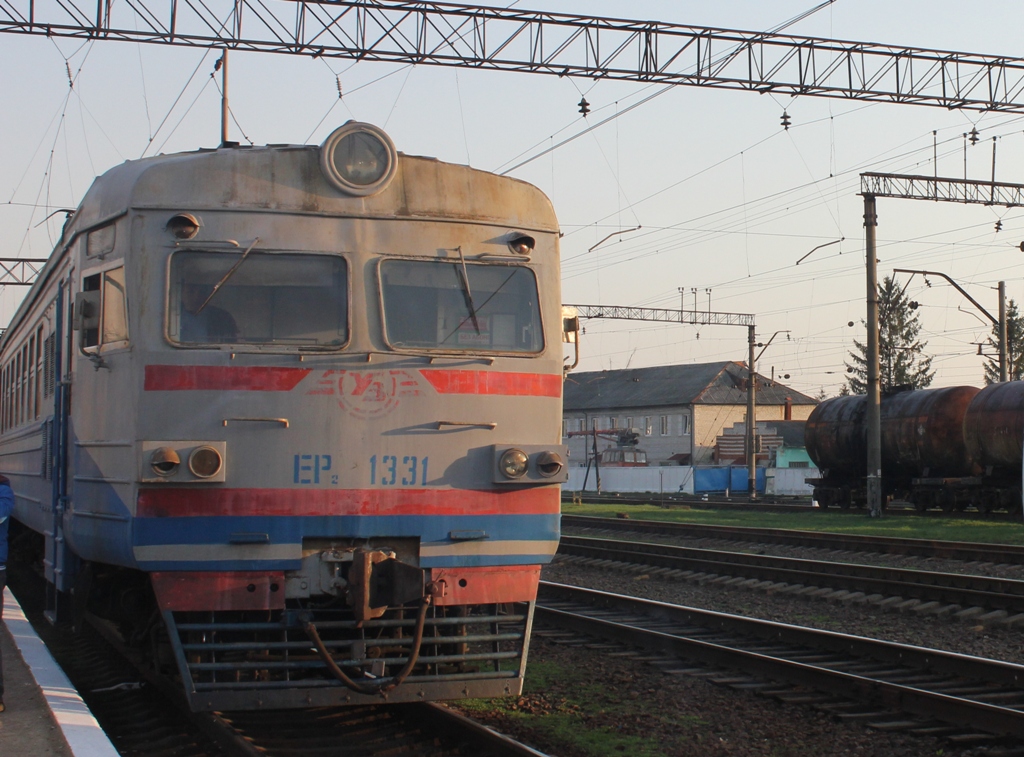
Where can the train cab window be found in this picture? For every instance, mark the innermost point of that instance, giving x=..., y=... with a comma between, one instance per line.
x=101, y=310
x=281, y=299
x=441, y=305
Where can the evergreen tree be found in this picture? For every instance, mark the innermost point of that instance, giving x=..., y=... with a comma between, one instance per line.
x=1014, y=347
x=901, y=355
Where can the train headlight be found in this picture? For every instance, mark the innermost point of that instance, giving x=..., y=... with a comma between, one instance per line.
x=205, y=462
x=549, y=464
x=359, y=159
x=165, y=461
x=513, y=463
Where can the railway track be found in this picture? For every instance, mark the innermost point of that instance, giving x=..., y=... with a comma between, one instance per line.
x=1009, y=554
x=144, y=715
x=884, y=684
x=952, y=590
x=772, y=505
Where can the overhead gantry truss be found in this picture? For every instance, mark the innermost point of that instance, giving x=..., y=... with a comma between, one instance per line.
x=508, y=39
x=694, y=317
x=941, y=189
x=20, y=271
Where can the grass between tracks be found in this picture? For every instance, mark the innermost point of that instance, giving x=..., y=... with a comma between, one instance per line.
x=575, y=711
x=905, y=526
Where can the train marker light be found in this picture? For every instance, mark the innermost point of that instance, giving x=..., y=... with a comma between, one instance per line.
x=359, y=159
x=183, y=226
x=165, y=461
x=205, y=462
x=549, y=463
x=513, y=463
x=521, y=244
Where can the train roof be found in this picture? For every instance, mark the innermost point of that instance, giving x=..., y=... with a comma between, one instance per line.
x=287, y=178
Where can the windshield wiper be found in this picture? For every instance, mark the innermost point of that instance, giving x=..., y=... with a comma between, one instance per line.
x=228, y=275
x=466, y=293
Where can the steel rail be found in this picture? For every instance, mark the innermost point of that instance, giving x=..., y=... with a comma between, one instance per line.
x=935, y=684
x=952, y=588
x=1011, y=554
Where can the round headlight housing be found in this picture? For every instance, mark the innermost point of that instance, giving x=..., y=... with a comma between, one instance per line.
x=359, y=159
x=513, y=463
x=164, y=461
x=205, y=462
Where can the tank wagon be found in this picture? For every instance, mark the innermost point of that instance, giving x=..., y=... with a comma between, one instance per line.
x=948, y=448
x=290, y=416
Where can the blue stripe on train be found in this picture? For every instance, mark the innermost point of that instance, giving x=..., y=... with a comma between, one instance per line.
x=292, y=529
x=257, y=565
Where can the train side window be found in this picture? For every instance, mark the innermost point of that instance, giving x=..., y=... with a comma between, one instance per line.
x=101, y=309
x=115, y=307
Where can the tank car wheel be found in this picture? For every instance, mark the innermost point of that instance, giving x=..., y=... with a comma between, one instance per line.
x=986, y=501
x=844, y=499
x=920, y=501
x=946, y=499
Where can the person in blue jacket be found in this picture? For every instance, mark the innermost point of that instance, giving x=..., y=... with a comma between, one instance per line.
x=6, y=508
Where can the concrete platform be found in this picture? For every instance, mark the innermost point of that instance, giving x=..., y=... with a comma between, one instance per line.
x=45, y=716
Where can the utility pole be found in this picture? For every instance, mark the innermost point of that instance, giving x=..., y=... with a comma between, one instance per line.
x=874, y=419
x=751, y=423
x=1004, y=367
x=224, y=100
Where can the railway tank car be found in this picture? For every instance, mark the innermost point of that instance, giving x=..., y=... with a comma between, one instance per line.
x=291, y=414
x=924, y=455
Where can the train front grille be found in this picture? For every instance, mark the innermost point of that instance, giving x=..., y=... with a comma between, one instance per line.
x=244, y=660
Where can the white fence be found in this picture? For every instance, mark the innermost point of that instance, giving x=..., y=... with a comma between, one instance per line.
x=668, y=480
x=787, y=482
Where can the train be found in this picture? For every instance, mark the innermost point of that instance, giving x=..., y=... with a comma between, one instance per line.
x=949, y=448
x=287, y=418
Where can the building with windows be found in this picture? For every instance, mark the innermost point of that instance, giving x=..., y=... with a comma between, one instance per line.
x=678, y=411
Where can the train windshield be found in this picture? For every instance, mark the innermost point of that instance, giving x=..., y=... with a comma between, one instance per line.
x=285, y=299
x=460, y=306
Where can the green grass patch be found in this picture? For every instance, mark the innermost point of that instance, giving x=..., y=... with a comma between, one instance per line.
x=565, y=707
x=906, y=526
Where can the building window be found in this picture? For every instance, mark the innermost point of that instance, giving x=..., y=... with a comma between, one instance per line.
x=565, y=428
x=684, y=425
x=629, y=423
x=664, y=425
x=648, y=428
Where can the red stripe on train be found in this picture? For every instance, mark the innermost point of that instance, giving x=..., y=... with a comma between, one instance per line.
x=169, y=378
x=492, y=382
x=182, y=502
x=264, y=590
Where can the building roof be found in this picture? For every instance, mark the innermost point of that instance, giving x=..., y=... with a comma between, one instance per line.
x=722, y=383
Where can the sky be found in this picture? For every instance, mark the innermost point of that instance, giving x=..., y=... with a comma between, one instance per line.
x=727, y=200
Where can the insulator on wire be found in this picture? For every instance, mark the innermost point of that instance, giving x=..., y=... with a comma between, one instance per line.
x=338, y=81
x=999, y=225
x=973, y=136
x=584, y=106
x=785, y=120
